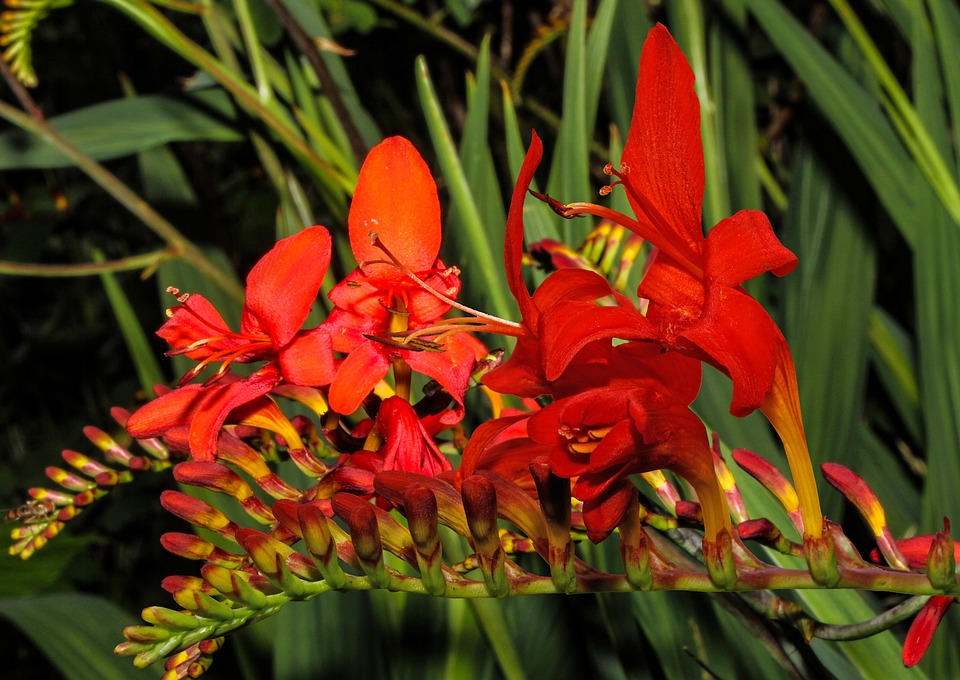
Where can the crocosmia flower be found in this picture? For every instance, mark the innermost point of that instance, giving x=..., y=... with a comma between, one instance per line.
x=695, y=303
x=395, y=231
x=281, y=288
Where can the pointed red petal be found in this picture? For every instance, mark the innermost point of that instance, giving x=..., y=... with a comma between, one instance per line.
x=284, y=283
x=923, y=627
x=408, y=447
x=172, y=409
x=357, y=375
x=451, y=367
x=396, y=197
x=664, y=152
x=213, y=413
x=513, y=239
x=743, y=246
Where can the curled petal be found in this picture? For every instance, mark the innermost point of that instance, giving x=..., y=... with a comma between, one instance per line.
x=743, y=246
x=357, y=375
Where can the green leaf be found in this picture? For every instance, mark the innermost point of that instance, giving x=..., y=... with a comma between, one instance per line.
x=852, y=111
x=473, y=254
x=148, y=370
x=77, y=633
x=125, y=126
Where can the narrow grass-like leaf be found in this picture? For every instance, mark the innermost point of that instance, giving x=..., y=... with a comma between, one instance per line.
x=125, y=126
x=828, y=333
x=148, y=370
x=853, y=112
x=80, y=651
x=474, y=257
x=893, y=358
x=569, y=172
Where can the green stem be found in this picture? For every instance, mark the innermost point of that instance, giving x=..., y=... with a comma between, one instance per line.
x=147, y=261
x=878, y=624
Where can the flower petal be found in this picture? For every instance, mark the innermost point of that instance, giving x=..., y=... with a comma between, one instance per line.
x=513, y=238
x=408, y=447
x=923, y=627
x=282, y=286
x=213, y=413
x=173, y=409
x=193, y=320
x=396, y=197
x=308, y=359
x=741, y=339
x=743, y=246
x=664, y=152
x=357, y=375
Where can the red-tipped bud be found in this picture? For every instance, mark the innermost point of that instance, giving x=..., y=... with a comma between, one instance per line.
x=320, y=543
x=234, y=585
x=197, y=512
x=68, y=480
x=365, y=536
x=221, y=479
x=169, y=619
x=480, y=505
x=174, y=583
x=270, y=556
x=553, y=492
x=857, y=492
x=203, y=605
x=772, y=479
x=85, y=465
x=392, y=484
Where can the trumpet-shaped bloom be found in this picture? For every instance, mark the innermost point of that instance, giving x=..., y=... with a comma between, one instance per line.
x=395, y=201
x=281, y=288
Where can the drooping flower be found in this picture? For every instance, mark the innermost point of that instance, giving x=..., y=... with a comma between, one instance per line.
x=281, y=288
x=396, y=202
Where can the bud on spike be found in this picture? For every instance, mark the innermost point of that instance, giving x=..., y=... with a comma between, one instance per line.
x=320, y=543
x=553, y=492
x=480, y=505
x=365, y=536
x=941, y=561
x=420, y=508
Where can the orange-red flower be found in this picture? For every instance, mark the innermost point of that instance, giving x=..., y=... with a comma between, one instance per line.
x=396, y=202
x=696, y=304
x=281, y=288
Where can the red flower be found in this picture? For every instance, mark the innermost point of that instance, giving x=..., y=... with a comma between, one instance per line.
x=696, y=304
x=396, y=200
x=280, y=291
